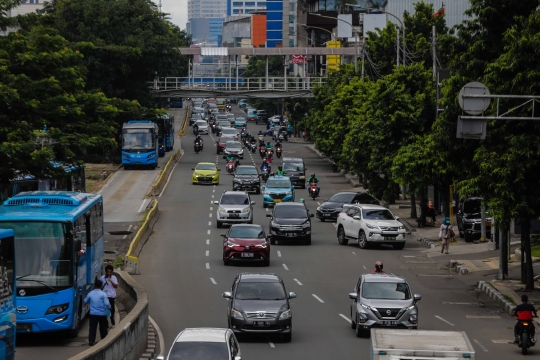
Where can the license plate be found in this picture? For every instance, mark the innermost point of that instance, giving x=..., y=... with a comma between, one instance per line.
x=389, y=238
x=291, y=234
x=248, y=255
x=233, y=216
x=261, y=323
x=389, y=323
x=327, y=214
x=277, y=200
x=24, y=327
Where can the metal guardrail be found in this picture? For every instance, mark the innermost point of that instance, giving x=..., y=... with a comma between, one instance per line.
x=183, y=128
x=241, y=84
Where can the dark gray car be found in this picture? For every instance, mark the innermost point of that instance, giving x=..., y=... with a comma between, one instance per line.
x=246, y=178
x=382, y=300
x=259, y=304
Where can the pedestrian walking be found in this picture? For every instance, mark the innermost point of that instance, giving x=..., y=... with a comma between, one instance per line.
x=99, y=303
x=446, y=232
x=110, y=283
x=304, y=134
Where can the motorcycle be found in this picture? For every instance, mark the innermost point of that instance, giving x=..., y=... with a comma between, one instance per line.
x=213, y=128
x=262, y=151
x=269, y=153
x=197, y=147
x=261, y=137
x=269, y=161
x=278, y=152
x=335, y=167
x=265, y=174
x=313, y=191
x=524, y=336
x=231, y=165
x=253, y=147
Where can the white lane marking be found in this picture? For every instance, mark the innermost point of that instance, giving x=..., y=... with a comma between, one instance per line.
x=502, y=341
x=159, y=336
x=168, y=178
x=364, y=267
x=143, y=205
x=354, y=253
x=279, y=253
x=335, y=225
x=458, y=303
x=482, y=317
x=208, y=232
x=207, y=241
x=285, y=267
x=210, y=215
x=318, y=203
x=266, y=209
x=211, y=208
x=214, y=190
x=212, y=196
x=446, y=321
x=207, y=253
x=318, y=298
x=209, y=223
x=214, y=186
x=481, y=346
x=127, y=325
x=213, y=281
x=299, y=283
x=271, y=344
x=207, y=265
x=346, y=318
x=129, y=229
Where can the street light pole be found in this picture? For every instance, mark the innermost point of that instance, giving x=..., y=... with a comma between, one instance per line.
x=398, y=19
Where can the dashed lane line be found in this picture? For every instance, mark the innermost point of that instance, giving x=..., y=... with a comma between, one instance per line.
x=346, y=318
x=279, y=253
x=285, y=267
x=210, y=215
x=143, y=205
x=213, y=281
x=446, y=321
x=210, y=223
x=208, y=232
x=482, y=317
x=298, y=282
x=207, y=241
x=481, y=346
x=208, y=265
x=207, y=253
x=318, y=298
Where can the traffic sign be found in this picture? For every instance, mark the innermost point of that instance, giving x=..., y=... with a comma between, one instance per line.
x=298, y=59
x=474, y=106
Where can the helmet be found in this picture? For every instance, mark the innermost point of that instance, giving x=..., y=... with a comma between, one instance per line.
x=378, y=266
x=312, y=174
x=301, y=200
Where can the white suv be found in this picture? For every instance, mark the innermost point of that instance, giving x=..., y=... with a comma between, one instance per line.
x=370, y=224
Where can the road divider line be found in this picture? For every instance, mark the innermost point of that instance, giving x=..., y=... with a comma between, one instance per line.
x=210, y=223
x=207, y=241
x=208, y=232
x=318, y=298
x=271, y=344
x=168, y=179
x=299, y=283
x=335, y=225
x=481, y=346
x=125, y=236
x=459, y=303
x=279, y=253
x=482, y=317
x=346, y=318
x=211, y=208
x=214, y=190
x=285, y=267
x=212, y=196
x=207, y=253
x=142, y=205
x=213, y=281
x=365, y=268
x=354, y=253
x=108, y=182
x=318, y=203
x=159, y=335
x=446, y=321
x=207, y=265
x=502, y=341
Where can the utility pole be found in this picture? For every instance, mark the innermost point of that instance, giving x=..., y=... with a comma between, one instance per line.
x=266, y=72
x=363, y=52
x=434, y=54
x=397, y=40
x=483, y=224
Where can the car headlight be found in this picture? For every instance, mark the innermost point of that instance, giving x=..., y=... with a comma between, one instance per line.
x=409, y=308
x=264, y=246
x=266, y=192
x=274, y=224
x=365, y=306
x=402, y=228
x=371, y=226
x=285, y=315
x=246, y=210
x=125, y=156
x=306, y=225
x=318, y=208
x=231, y=244
x=151, y=155
x=223, y=210
x=289, y=192
x=302, y=177
x=57, y=309
x=236, y=314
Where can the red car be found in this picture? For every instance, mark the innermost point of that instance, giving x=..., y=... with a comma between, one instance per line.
x=220, y=144
x=246, y=242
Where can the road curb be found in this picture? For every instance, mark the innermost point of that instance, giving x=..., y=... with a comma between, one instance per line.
x=428, y=242
x=497, y=296
x=351, y=179
x=459, y=268
x=159, y=337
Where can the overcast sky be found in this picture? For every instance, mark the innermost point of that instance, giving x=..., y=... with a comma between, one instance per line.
x=177, y=10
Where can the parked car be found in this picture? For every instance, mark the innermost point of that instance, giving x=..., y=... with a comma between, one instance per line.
x=469, y=219
x=246, y=243
x=381, y=300
x=234, y=207
x=246, y=178
x=369, y=225
x=204, y=343
x=330, y=209
x=290, y=221
x=259, y=304
x=276, y=190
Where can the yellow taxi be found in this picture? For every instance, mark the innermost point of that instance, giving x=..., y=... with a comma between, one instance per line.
x=205, y=173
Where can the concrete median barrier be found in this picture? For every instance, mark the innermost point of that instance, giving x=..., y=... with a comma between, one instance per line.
x=131, y=259
x=184, y=126
x=158, y=185
x=128, y=340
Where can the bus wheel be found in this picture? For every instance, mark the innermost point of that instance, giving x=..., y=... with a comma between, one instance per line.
x=73, y=333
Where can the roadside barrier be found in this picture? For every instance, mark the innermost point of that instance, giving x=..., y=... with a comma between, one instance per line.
x=128, y=340
x=131, y=259
x=187, y=115
x=162, y=179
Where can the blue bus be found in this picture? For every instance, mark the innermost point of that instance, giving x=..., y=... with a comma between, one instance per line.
x=165, y=133
x=176, y=102
x=7, y=295
x=59, y=236
x=140, y=144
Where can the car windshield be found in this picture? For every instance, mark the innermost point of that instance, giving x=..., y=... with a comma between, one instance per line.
x=472, y=206
x=246, y=171
x=191, y=350
x=201, y=123
x=293, y=166
x=234, y=199
x=386, y=291
x=233, y=145
x=379, y=214
x=230, y=116
x=196, y=116
x=290, y=212
x=228, y=131
x=260, y=291
x=247, y=232
x=206, y=167
x=252, y=112
x=224, y=123
x=342, y=198
x=278, y=184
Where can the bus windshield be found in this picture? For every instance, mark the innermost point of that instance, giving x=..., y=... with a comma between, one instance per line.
x=137, y=139
x=46, y=256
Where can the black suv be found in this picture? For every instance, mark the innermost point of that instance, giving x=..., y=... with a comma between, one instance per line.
x=262, y=116
x=469, y=219
x=295, y=169
x=259, y=304
x=330, y=209
x=290, y=220
x=246, y=178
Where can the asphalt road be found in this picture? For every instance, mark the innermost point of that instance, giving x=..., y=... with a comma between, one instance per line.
x=183, y=273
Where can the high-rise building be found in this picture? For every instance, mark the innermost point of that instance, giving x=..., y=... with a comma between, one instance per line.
x=205, y=20
x=237, y=8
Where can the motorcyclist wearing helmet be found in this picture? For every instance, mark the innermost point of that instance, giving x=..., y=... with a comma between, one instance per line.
x=314, y=179
x=235, y=159
x=278, y=144
x=198, y=139
x=524, y=312
x=269, y=146
x=279, y=171
x=264, y=165
x=378, y=268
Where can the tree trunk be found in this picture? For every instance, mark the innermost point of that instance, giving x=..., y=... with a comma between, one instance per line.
x=522, y=247
x=423, y=205
x=526, y=250
x=413, y=205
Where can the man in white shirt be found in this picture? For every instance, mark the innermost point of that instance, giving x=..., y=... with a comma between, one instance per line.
x=110, y=283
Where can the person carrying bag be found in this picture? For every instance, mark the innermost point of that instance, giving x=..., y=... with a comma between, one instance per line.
x=446, y=232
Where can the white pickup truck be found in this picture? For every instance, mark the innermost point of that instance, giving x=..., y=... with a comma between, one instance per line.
x=396, y=344
x=369, y=224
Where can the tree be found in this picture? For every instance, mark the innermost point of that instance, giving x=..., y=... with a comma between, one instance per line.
x=257, y=69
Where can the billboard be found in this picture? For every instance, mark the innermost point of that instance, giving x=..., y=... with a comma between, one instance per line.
x=373, y=21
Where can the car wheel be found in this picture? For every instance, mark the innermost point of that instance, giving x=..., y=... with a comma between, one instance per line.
x=194, y=183
x=272, y=241
x=353, y=323
x=127, y=167
x=342, y=240
x=226, y=262
x=219, y=224
x=307, y=241
x=468, y=238
x=399, y=246
x=267, y=262
x=265, y=206
x=258, y=191
x=362, y=240
x=287, y=337
x=322, y=219
x=217, y=152
x=359, y=332
x=461, y=235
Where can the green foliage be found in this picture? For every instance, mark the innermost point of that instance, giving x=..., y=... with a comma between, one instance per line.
x=257, y=69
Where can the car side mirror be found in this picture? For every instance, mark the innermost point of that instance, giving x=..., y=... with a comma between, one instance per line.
x=311, y=215
x=268, y=215
x=216, y=202
x=252, y=203
x=292, y=295
x=223, y=235
x=397, y=217
x=227, y=295
x=192, y=168
x=353, y=296
x=218, y=169
x=356, y=217
x=417, y=297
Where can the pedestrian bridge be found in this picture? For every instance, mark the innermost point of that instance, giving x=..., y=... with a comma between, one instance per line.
x=241, y=87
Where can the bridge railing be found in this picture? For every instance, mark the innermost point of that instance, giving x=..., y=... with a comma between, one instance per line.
x=244, y=83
